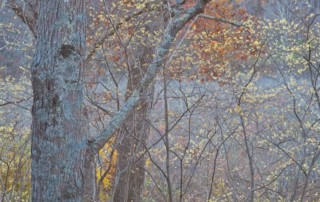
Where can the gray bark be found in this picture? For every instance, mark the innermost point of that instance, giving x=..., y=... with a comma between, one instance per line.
x=61, y=151
x=62, y=167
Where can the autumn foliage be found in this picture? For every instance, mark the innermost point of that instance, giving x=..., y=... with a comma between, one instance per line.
x=216, y=41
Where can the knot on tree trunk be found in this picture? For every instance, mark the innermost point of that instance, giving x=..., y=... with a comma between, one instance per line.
x=66, y=50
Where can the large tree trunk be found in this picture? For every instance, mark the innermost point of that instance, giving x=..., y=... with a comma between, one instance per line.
x=62, y=166
x=132, y=137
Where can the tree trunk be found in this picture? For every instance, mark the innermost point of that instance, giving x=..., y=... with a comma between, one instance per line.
x=130, y=168
x=132, y=137
x=62, y=165
x=62, y=154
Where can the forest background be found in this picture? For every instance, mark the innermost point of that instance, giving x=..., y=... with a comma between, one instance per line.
x=232, y=115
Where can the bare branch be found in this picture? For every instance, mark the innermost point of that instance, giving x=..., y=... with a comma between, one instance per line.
x=175, y=25
x=148, y=8
x=26, y=11
x=237, y=24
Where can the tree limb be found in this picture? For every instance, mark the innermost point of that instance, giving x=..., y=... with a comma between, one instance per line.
x=174, y=26
x=237, y=24
x=26, y=11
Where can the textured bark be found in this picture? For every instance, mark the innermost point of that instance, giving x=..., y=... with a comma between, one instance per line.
x=62, y=164
x=132, y=137
x=62, y=156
